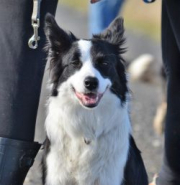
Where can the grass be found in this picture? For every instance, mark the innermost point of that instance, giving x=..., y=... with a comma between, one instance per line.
x=80, y=5
x=138, y=16
x=143, y=17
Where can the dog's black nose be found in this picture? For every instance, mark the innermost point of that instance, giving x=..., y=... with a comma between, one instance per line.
x=91, y=83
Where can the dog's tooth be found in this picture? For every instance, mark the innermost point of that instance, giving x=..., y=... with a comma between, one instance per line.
x=97, y=98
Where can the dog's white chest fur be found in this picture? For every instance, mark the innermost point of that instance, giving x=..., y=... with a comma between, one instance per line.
x=71, y=161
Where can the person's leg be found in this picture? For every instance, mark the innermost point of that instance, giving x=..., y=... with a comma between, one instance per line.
x=170, y=172
x=21, y=72
x=21, y=68
x=113, y=7
x=102, y=13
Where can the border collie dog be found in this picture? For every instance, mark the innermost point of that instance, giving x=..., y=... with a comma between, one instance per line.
x=88, y=128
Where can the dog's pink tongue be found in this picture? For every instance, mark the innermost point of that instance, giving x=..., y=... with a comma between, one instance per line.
x=88, y=99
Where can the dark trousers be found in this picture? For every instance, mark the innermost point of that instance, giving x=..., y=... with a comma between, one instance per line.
x=21, y=68
x=170, y=172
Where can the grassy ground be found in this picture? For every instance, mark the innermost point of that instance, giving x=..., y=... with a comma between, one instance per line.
x=143, y=17
x=138, y=15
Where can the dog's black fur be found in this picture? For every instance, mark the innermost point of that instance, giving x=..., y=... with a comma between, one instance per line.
x=59, y=43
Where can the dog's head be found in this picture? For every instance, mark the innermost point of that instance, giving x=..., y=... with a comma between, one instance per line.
x=86, y=70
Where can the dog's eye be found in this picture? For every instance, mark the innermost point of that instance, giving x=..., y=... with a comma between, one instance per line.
x=76, y=63
x=102, y=62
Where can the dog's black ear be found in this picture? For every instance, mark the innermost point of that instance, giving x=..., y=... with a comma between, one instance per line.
x=114, y=34
x=58, y=39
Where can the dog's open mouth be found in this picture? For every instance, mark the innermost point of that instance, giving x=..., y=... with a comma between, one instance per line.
x=89, y=100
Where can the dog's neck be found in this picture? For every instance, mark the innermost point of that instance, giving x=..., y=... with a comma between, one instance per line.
x=77, y=121
x=87, y=145
x=83, y=140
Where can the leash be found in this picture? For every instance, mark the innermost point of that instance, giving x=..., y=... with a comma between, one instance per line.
x=35, y=22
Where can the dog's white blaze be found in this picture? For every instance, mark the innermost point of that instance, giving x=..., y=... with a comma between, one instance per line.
x=85, y=50
x=87, y=69
x=70, y=160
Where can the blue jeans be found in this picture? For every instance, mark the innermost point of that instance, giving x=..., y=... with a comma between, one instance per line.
x=102, y=13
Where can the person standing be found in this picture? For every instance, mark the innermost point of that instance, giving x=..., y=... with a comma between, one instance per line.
x=102, y=14
x=21, y=73
x=170, y=170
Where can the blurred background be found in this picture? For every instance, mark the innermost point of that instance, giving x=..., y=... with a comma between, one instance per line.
x=144, y=65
